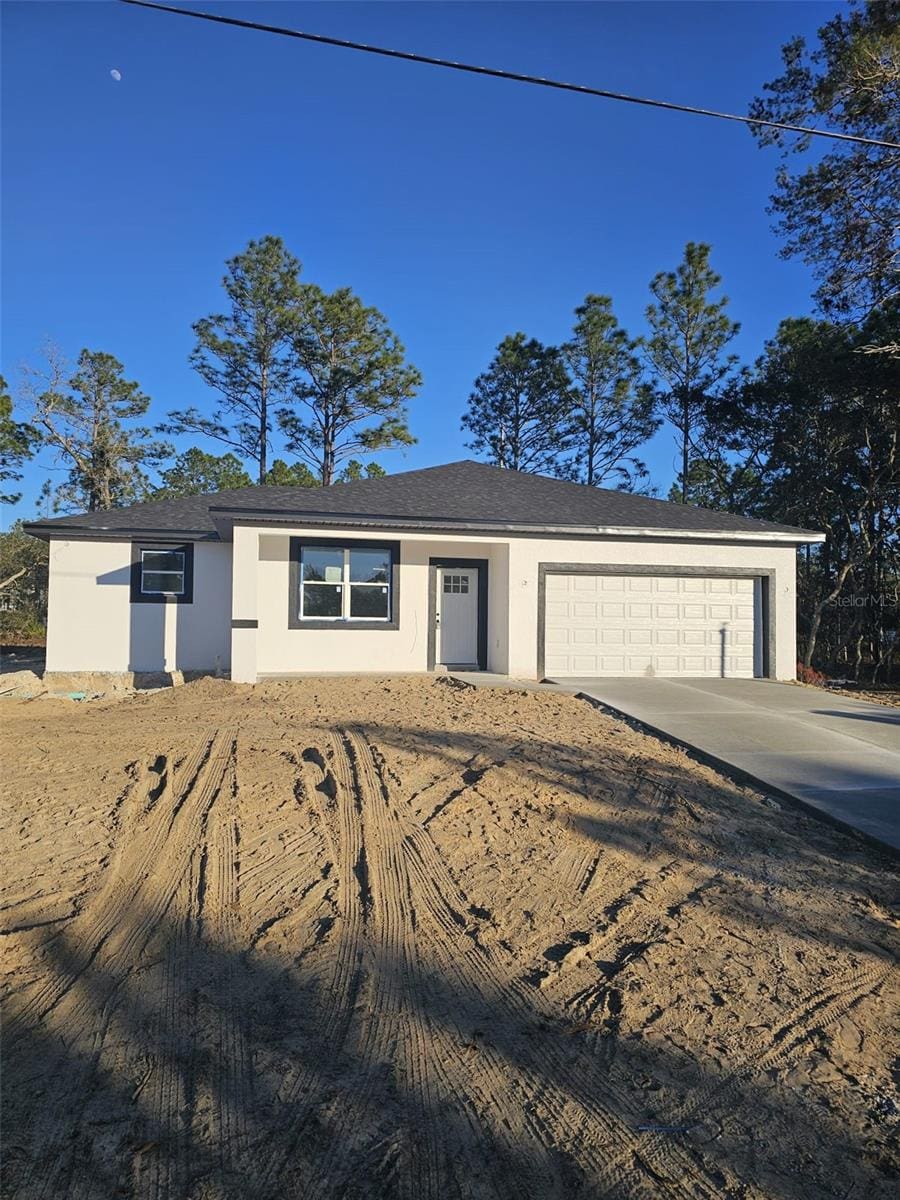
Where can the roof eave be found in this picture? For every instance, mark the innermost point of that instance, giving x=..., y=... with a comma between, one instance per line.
x=226, y=519
x=88, y=533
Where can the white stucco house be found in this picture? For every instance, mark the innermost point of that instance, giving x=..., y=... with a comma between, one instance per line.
x=463, y=565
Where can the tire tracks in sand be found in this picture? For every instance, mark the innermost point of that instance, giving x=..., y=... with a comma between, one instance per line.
x=124, y=982
x=410, y=978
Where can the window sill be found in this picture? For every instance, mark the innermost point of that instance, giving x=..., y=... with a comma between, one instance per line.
x=160, y=598
x=337, y=623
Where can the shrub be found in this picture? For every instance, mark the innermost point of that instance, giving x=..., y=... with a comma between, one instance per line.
x=810, y=675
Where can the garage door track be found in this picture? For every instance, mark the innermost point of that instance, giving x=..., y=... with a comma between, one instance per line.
x=837, y=755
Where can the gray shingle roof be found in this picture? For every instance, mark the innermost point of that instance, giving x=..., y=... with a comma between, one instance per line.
x=467, y=494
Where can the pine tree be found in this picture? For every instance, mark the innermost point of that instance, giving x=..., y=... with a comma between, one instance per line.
x=351, y=378
x=243, y=353
x=520, y=407
x=840, y=212
x=18, y=442
x=613, y=410
x=686, y=348
x=88, y=421
x=195, y=473
x=296, y=474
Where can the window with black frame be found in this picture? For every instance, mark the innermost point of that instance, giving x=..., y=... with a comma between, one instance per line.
x=345, y=583
x=162, y=574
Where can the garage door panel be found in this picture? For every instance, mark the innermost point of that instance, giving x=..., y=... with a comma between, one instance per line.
x=582, y=608
x=694, y=665
x=583, y=663
x=586, y=583
x=649, y=625
x=693, y=612
x=720, y=612
x=667, y=664
x=558, y=664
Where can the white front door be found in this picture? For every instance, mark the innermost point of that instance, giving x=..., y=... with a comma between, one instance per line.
x=457, y=616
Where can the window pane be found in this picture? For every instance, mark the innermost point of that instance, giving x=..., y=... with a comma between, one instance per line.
x=370, y=566
x=367, y=601
x=162, y=560
x=322, y=563
x=320, y=600
x=446, y=583
x=162, y=581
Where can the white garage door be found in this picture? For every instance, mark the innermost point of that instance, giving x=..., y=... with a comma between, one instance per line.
x=649, y=625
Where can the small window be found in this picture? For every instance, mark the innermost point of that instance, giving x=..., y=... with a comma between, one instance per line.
x=456, y=585
x=345, y=583
x=162, y=574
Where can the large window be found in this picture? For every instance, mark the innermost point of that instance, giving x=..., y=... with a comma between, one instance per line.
x=346, y=583
x=162, y=574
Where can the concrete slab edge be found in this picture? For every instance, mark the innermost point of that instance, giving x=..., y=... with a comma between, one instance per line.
x=741, y=776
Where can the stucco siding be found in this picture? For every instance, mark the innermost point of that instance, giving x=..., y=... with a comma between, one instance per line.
x=280, y=650
x=88, y=618
x=93, y=626
x=525, y=556
x=203, y=635
x=239, y=614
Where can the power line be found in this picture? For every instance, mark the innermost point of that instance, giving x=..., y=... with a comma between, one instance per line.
x=497, y=73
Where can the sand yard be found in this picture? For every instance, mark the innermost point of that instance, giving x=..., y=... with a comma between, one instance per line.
x=377, y=938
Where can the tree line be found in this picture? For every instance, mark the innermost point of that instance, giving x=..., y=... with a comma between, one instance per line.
x=807, y=434
x=329, y=375
x=323, y=370
x=581, y=410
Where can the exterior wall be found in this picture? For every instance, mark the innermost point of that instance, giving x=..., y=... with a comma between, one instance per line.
x=525, y=554
x=247, y=583
x=512, y=598
x=93, y=626
x=284, y=651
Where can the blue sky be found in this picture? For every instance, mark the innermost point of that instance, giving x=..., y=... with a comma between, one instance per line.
x=463, y=208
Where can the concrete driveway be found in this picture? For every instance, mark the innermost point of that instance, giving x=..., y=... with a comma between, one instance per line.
x=837, y=755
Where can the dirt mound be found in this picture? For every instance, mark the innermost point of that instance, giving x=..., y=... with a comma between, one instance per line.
x=391, y=938
x=21, y=685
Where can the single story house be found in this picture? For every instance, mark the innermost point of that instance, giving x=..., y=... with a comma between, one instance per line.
x=463, y=565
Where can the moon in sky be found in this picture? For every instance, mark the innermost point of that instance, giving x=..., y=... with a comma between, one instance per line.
x=116, y=74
